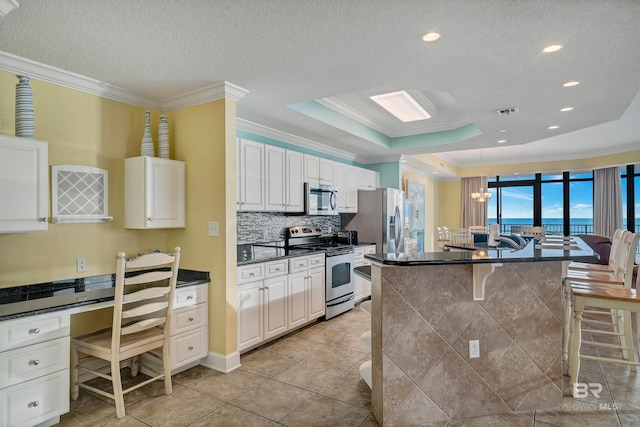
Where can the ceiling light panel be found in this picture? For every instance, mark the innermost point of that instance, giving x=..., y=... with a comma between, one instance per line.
x=431, y=37
x=571, y=84
x=552, y=48
x=401, y=105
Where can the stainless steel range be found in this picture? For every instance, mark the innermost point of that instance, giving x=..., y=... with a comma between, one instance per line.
x=338, y=265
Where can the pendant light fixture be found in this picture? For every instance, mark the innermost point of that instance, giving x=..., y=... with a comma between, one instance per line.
x=480, y=196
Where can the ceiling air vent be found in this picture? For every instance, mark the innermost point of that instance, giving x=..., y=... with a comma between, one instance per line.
x=508, y=111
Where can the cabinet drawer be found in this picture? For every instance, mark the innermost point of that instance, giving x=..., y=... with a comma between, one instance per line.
x=35, y=401
x=188, y=347
x=188, y=318
x=33, y=329
x=297, y=264
x=358, y=252
x=251, y=273
x=276, y=268
x=27, y=363
x=370, y=249
x=316, y=260
x=190, y=296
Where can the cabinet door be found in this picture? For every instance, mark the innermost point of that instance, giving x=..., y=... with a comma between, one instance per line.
x=326, y=171
x=340, y=182
x=351, y=190
x=316, y=293
x=294, y=182
x=368, y=179
x=275, y=178
x=24, y=185
x=358, y=287
x=311, y=169
x=250, y=315
x=165, y=193
x=297, y=299
x=251, y=179
x=275, y=306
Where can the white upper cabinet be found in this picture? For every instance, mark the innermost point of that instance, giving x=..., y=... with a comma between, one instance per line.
x=345, y=179
x=340, y=182
x=250, y=179
x=294, y=182
x=154, y=193
x=24, y=185
x=318, y=170
x=283, y=180
x=367, y=179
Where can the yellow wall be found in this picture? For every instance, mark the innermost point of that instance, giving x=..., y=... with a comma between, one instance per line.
x=88, y=130
x=430, y=202
x=81, y=129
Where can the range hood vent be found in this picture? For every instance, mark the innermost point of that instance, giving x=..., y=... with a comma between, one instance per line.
x=508, y=111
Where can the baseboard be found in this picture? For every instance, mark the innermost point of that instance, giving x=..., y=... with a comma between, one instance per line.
x=219, y=362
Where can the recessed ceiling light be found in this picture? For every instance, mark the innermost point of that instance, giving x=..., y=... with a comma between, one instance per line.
x=502, y=130
x=570, y=84
x=552, y=48
x=553, y=127
x=516, y=173
x=566, y=109
x=502, y=141
x=431, y=37
x=435, y=172
x=401, y=105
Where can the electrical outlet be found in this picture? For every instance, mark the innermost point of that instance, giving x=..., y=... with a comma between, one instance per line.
x=81, y=265
x=474, y=349
x=214, y=228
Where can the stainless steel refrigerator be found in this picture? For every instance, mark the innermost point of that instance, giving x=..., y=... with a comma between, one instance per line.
x=379, y=219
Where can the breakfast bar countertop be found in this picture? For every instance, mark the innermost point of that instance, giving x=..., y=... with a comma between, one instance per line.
x=473, y=254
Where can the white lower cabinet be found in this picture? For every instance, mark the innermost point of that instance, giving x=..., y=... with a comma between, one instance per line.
x=278, y=296
x=34, y=370
x=362, y=286
x=188, y=330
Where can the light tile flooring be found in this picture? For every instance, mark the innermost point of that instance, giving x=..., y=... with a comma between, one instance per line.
x=311, y=378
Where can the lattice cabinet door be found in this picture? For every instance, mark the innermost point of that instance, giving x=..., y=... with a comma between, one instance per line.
x=79, y=194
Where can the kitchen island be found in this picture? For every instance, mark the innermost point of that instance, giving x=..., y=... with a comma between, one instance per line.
x=427, y=307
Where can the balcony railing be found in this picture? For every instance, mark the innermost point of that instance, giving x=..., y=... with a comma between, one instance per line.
x=574, y=229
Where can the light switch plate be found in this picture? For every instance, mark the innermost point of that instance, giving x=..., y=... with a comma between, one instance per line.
x=214, y=228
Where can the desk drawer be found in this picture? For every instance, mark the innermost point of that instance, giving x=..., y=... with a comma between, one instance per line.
x=188, y=318
x=188, y=347
x=33, y=329
x=37, y=360
x=190, y=295
x=35, y=401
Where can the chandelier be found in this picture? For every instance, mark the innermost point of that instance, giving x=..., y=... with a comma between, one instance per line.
x=481, y=196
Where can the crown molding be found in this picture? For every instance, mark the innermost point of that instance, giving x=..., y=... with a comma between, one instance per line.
x=206, y=94
x=258, y=129
x=46, y=73
x=6, y=6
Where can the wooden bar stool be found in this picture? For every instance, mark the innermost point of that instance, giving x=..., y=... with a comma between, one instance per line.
x=615, y=298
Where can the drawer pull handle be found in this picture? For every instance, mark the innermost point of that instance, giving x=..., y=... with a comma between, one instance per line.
x=190, y=319
x=251, y=274
x=34, y=331
x=190, y=347
x=34, y=362
x=190, y=297
x=33, y=404
x=300, y=265
x=278, y=269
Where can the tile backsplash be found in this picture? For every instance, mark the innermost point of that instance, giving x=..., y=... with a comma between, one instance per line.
x=255, y=227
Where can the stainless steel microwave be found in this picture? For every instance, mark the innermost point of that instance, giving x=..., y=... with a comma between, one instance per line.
x=320, y=199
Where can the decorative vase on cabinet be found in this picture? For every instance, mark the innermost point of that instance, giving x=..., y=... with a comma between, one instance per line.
x=163, y=138
x=146, y=148
x=25, y=126
x=154, y=193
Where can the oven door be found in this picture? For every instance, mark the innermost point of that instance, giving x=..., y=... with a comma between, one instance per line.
x=320, y=199
x=339, y=276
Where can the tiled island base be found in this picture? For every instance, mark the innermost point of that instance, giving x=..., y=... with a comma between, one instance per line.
x=423, y=318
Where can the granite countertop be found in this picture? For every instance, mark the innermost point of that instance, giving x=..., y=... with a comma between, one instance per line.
x=472, y=254
x=29, y=300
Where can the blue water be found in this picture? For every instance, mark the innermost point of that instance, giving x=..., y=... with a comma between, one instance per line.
x=545, y=221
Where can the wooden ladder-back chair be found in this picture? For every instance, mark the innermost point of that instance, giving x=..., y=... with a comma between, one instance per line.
x=621, y=277
x=141, y=317
x=614, y=256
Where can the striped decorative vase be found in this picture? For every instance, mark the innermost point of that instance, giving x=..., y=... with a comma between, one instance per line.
x=163, y=138
x=24, y=108
x=146, y=148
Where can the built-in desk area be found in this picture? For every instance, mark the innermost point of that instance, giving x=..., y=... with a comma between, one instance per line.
x=427, y=307
x=35, y=325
